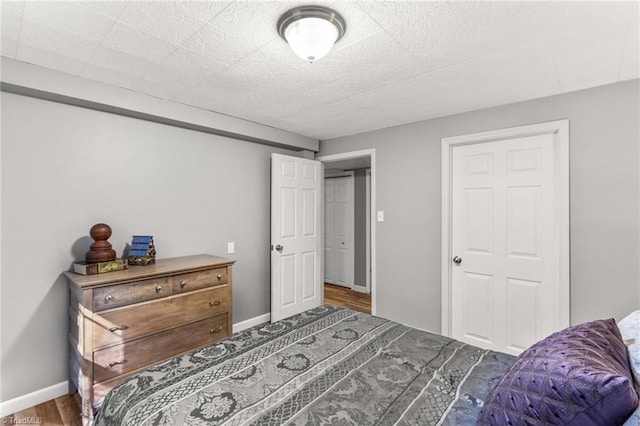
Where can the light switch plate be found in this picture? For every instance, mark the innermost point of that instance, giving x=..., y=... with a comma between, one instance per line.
x=380, y=216
x=231, y=247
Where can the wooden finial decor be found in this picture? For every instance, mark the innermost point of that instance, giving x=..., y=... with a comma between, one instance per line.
x=100, y=250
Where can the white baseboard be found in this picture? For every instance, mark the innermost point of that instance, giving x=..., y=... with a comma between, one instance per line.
x=360, y=289
x=43, y=395
x=251, y=322
x=34, y=398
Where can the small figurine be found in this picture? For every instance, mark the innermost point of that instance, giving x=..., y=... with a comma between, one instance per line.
x=142, y=251
x=100, y=250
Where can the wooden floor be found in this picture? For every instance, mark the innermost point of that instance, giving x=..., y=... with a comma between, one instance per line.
x=65, y=410
x=346, y=298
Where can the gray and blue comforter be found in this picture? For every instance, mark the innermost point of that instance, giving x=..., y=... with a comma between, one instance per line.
x=325, y=366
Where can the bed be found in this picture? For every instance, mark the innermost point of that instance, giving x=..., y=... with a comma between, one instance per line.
x=328, y=365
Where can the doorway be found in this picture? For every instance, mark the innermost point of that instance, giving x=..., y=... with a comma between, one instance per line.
x=362, y=165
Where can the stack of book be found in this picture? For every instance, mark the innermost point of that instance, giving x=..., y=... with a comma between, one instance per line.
x=100, y=267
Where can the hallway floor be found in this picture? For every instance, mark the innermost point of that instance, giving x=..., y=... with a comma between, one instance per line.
x=346, y=298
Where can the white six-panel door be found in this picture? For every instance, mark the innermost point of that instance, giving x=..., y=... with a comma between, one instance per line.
x=339, y=231
x=330, y=265
x=504, y=234
x=296, y=240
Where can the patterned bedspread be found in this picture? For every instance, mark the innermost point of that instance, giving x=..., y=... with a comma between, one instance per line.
x=325, y=366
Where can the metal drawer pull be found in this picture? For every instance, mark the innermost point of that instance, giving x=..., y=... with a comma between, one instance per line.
x=216, y=302
x=182, y=284
x=219, y=276
x=158, y=288
x=119, y=327
x=112, y=364
x=107, y=298
x=215, y=330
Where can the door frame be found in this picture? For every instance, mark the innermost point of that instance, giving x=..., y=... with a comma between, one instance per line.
x=368, y=227
x=371, y=153
x=560, y=129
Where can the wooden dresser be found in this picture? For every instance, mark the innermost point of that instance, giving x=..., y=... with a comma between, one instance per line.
x=122, y=322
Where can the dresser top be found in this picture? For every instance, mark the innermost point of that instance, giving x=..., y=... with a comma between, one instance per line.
x=161, y=267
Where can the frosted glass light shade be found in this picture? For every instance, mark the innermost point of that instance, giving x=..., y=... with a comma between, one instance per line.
x=311, y=31
x=311, y=38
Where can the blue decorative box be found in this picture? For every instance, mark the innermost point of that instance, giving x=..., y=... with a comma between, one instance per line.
x=142, y=251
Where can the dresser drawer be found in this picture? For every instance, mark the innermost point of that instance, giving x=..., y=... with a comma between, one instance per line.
x=130, y=293
x=197, y=280
x=130, y=322
x=120, y=359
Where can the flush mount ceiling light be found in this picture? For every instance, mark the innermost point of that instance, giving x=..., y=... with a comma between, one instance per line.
x=311, y=31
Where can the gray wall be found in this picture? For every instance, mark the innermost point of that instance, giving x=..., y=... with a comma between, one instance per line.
x=65, y=168
x=604, y=191
x=360, y=227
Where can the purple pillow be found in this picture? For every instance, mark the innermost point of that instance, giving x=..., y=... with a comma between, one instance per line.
x=579, y=376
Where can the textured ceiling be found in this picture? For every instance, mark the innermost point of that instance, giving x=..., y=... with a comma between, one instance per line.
x=398, y=62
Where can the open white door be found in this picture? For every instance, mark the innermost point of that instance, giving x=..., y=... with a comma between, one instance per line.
x=296, y=235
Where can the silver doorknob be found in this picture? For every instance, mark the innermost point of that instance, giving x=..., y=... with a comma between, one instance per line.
x=279, y=248
x=457, y=260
